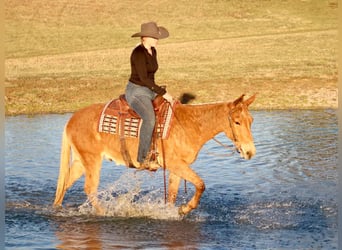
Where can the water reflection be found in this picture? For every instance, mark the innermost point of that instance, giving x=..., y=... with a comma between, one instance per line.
x=124, y=233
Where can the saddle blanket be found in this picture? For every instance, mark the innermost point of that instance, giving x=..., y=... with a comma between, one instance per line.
x=110, y=121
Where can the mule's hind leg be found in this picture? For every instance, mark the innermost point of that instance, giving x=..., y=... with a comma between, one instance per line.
x=92, y=166
x=74, y=173
x=174, y=181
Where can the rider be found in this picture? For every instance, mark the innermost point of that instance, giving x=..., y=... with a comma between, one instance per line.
x=142, y=89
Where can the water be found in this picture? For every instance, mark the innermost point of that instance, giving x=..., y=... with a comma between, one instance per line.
x=284, y=198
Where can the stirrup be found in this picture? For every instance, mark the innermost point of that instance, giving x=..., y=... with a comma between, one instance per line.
x=152, y=156
x=149, y=165
x=150, y=162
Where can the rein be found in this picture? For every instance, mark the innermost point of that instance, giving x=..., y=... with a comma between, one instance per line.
x=223, y=145
x=227, y=146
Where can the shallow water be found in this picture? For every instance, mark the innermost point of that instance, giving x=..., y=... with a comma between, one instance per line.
x=284, y=198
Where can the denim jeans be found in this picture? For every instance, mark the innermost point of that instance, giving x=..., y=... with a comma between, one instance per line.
x=140, y=100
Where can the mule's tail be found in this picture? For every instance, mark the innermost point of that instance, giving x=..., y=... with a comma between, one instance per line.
x=64, y=170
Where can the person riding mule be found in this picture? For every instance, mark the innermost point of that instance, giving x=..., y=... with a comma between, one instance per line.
x=141, y=88
x=84, y=146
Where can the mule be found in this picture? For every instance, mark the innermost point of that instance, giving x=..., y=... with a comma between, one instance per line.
x=192, y=126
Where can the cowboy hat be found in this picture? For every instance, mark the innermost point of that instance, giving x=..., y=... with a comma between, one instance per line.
x=151, y=29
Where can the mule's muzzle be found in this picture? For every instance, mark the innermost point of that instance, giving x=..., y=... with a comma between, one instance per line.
x=247, y=151
x=248, y=155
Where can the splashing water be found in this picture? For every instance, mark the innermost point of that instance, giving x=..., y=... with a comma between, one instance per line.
x=127, y=198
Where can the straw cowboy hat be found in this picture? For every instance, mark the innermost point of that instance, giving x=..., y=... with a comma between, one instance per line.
x=151, y=29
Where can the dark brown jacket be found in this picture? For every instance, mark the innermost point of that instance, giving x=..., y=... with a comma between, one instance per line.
x=143, y=68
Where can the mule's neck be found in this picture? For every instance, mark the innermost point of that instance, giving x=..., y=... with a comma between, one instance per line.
x=209, y=120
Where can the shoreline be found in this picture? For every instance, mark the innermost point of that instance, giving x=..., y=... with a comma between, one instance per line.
x=270, y=110
x=57, y=96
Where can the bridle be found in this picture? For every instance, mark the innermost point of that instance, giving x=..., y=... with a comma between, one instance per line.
x=234, y=138
x=232, y=128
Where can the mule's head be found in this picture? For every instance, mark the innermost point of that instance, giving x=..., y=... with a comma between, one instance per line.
x=239, y=126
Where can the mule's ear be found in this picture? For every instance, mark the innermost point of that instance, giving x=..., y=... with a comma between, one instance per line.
x=250, y=100
x=240, y=99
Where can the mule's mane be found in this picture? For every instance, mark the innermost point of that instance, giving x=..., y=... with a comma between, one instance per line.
x=206, y=103
x=199, y=108
x=202, y=121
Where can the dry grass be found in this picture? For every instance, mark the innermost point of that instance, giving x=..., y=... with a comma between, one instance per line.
x=63, y=55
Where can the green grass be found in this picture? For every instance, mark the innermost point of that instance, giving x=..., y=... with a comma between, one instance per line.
x=64, y=26
x=62, y=55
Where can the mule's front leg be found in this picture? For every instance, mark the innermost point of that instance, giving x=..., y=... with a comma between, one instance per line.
x=189, y=175
x=193, y=203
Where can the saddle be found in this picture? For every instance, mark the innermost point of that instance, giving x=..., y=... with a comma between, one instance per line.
x=118, y=118
x=120, y=107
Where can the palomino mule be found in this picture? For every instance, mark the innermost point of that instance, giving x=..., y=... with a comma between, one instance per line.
x=192, y=127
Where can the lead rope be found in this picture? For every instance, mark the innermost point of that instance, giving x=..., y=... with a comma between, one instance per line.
x=164, y=164
x=164, y=169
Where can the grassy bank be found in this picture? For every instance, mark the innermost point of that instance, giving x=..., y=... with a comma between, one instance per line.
x=64, y=55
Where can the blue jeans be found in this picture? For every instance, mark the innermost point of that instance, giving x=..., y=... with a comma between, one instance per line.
x=140, y=100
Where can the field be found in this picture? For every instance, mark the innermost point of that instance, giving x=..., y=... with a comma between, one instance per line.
x=63, y=55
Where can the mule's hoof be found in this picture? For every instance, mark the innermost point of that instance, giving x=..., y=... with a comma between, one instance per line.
x=99, y=211
x=57, y=207
x=181, y=210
